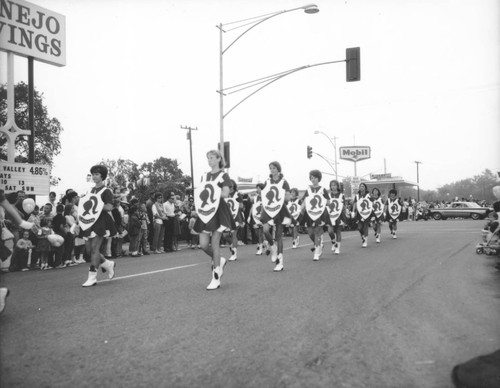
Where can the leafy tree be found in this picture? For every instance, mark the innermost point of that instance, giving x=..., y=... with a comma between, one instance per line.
x=163, y=175
x=47, y=129
x=122, y=173
x=479, y=187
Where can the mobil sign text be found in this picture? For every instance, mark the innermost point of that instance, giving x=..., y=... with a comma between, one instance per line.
x=355, y=153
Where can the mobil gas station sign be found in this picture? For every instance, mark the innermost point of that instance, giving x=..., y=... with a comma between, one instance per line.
x=355, y=153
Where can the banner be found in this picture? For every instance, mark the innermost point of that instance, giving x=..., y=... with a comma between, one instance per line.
x=32, y=31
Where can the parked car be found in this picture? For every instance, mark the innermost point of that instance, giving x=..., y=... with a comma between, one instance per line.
x=460, y=210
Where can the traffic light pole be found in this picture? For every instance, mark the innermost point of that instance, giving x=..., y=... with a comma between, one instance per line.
x=190, y=152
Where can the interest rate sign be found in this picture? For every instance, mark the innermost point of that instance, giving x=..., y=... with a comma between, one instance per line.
x=30, y=178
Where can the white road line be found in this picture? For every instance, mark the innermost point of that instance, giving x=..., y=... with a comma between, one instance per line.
x=149, y=273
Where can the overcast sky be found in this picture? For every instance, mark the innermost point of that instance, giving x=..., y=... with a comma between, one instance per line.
x=138, y=70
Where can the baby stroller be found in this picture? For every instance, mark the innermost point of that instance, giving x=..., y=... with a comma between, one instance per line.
x=491, y=243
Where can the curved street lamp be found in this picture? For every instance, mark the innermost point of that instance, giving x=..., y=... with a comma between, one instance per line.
x=251, y=22
x=334, y=145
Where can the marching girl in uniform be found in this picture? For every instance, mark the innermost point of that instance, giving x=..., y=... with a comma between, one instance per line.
x=294, y=207
x=104, y=225
x=336, y=211
x=235, y=204
x=214, y=216
x=254, y=218
x=315, y=216
x=363, y=207
x=275, y=195
x=393, y=211
x=378, y=212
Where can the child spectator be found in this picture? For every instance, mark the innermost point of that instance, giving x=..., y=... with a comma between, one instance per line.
x=143, y=236
x=58, y=225
x=134, y=230
x=195, y=237
x=22, y=252
x=43, y=245
x=69, y=236
x=35, y=219
x=490, y=227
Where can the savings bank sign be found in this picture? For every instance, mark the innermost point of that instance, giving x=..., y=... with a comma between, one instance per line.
x=32, y=31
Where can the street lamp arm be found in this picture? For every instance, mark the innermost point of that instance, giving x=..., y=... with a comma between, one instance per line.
x=329, y=139
x=250, y=28
x=326, y=160
x=274, y=79
x=257, y=81
x=254, y=23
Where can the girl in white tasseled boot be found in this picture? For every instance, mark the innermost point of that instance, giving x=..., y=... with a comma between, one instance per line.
x=235, y=204
x=362, y=209
x=214, y=215
x=275, y=214
x=316, y=215
x=337, y=215
x=96, y=222
x=294, y=207
x=254, y=219
x=378, y=213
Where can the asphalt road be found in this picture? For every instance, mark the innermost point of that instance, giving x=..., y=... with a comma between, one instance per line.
x=400, y=313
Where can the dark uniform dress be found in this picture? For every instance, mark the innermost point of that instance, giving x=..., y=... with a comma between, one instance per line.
x=239, y=214
x=222, y=217
x=278, y=218
x=342, y=217
x=105, y=222
x=324, y=219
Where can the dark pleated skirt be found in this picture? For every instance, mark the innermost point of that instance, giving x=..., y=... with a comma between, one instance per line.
x=324, y=219
x=222, y=217
x=278, y=219
x=103, y=223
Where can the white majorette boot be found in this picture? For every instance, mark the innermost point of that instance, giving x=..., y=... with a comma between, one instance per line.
x=334, y=244
x=294, y=244
x=223, y=262
x=259, y=250
x=215, y=283
x=377, y=237
x=92, y=280
x=337, y=249
x=365, y=243
x=394, y=235
x=274, y=253
x=109, y=267
x=279, y=263
x=234, y=254
x=317, y=253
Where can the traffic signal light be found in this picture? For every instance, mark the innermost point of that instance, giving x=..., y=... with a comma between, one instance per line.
x=226, y=153
x=309, y=152
x=353, y=67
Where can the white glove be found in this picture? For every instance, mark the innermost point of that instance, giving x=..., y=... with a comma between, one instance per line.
x=26, y=225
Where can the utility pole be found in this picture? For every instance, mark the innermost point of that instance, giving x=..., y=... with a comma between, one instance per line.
x=190, y=151
x=418, y=183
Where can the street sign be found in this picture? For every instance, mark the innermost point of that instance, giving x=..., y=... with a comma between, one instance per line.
x=30, y=178
x=355, y=153
x=380, y=176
